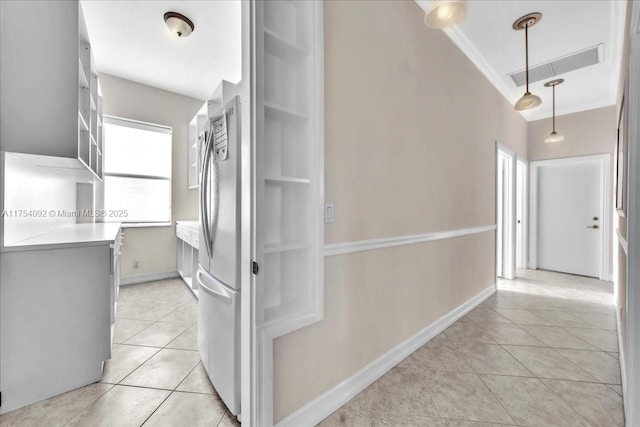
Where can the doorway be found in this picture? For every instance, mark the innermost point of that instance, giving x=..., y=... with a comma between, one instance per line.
x=505, y=212
x=569, y=221
x=521, y=212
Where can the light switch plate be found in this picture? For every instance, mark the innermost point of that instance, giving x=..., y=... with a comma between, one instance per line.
x=329, y=213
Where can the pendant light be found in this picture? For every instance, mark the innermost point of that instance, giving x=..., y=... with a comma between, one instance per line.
x=554, y=136
x=528, y=100
x=445, y=13
x=178, y=24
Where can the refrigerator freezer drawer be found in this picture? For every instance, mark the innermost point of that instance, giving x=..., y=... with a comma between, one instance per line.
x=219, y=337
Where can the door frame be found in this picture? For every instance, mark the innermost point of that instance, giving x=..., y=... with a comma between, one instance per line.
x=524, y=244
x=509, y=232
x=604, y=160
x=249, y=379
x=631, y=354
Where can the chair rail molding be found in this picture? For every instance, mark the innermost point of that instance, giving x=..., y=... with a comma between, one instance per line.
x=333, y=249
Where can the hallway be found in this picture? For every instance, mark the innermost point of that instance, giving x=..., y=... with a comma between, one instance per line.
x=542, y=351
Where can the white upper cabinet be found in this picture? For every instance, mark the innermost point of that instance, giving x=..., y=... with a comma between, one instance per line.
x=50, y=103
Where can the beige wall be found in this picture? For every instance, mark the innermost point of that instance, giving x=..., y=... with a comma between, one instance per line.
x=587, y=132
x=155, y=248
x=410, y=131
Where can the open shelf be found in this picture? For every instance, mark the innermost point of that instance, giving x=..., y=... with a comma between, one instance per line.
x=284, y=247
x=279, y=46
x=82, y=122
x=82, y=77
x=283, y=113
x=287, y=179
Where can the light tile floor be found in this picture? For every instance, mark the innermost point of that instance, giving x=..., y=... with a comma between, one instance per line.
x=542, y=351
x=154, y=377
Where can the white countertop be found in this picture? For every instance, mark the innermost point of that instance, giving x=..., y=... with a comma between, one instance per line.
x=89, y=234
x=194, y=225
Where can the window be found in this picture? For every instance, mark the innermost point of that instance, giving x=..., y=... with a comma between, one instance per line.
x=137, y=171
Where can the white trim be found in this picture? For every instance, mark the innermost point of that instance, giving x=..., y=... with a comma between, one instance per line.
x=388, y=242
x=246, y=90
x=331, y=400
x=145, y=224
x=621, y=352
x=622, y=241
x=508, y=235
x=466, y=46
x=132, y=280
x=614, y=54
x=533, y=217
x=525, y=214
x=604, y=272
x=632, y=356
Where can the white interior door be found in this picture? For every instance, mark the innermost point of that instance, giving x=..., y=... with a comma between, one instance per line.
x=521, y=236
x=570, y=216
x=505, y=213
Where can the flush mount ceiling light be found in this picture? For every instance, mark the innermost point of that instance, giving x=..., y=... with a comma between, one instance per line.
x=444, y=13
x=554, y=136
x=528, y=100
x=178, y=24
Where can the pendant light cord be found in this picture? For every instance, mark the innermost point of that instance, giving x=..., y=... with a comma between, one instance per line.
x=526, y=49
x=554, y=108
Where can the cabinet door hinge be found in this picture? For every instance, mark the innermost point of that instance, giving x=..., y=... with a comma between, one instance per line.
x=254, y=267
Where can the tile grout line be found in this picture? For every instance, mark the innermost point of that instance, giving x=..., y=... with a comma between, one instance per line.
x=567, y=403
x=497, y=400
x=158, y=407
x=87, y=407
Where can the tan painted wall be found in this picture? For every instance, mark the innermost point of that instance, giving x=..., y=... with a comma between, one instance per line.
x=410, y=131
x=587, y=132
x=155, y=247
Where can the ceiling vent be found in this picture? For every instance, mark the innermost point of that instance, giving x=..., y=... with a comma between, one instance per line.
x=573, y=61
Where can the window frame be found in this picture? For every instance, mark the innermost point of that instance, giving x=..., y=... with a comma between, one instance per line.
x=153, y=127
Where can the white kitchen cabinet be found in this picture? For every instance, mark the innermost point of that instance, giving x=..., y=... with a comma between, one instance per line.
x=53, y=118
x=187, y=253
x=194, y=147
x=56, y=308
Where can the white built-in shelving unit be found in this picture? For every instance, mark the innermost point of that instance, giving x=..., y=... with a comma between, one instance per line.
x=287, y=83
x=289, y=167
x=63, y=129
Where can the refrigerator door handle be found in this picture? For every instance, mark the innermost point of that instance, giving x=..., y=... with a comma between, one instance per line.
x=204, y=192
x=219, y=293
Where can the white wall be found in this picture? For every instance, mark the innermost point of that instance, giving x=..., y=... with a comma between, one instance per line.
x=155, y=247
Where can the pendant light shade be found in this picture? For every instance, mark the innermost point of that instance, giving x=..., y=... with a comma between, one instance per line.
x=554, y=136
x=445, y=13
x=528, y=100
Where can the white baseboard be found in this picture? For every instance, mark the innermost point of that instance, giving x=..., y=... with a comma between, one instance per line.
x=328, y=402
x=132, y=280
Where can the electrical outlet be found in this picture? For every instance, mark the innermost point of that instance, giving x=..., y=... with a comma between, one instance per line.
x=135, y=264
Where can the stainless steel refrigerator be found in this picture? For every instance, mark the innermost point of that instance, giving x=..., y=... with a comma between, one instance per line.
x=218, y=274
